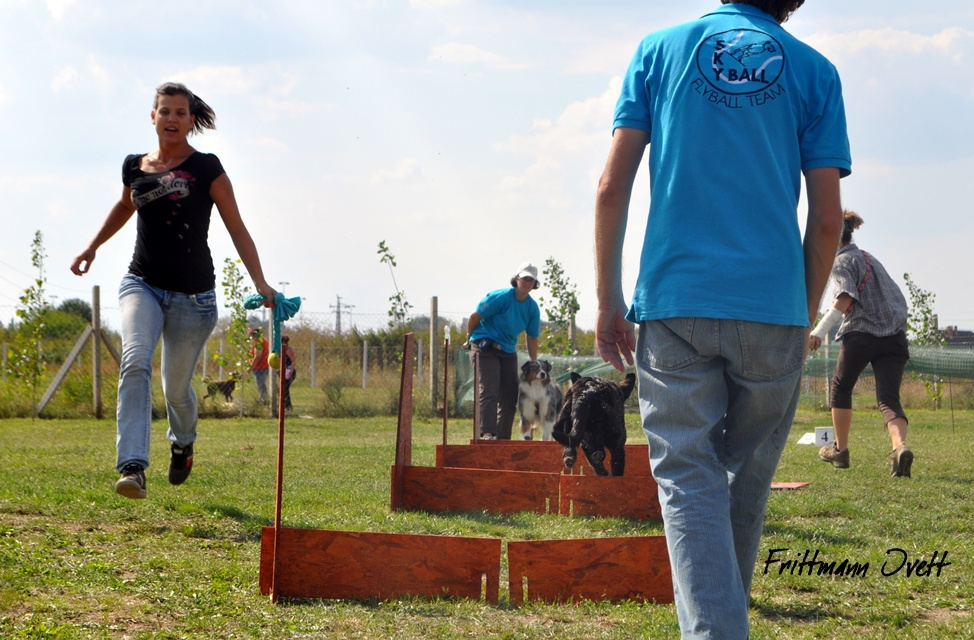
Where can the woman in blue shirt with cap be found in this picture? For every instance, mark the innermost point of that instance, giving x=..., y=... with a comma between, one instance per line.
x=492, y=333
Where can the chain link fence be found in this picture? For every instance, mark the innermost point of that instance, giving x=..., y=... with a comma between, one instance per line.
x=350, y=365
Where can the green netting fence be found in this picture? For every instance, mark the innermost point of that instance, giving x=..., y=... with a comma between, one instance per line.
x=934, y=376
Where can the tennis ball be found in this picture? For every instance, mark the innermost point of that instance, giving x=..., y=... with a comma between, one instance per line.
x=274, y=361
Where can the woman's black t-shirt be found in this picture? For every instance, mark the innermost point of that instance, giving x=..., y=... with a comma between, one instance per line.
x=171, y=247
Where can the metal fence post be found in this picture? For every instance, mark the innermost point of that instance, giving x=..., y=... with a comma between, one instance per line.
x=365, y=364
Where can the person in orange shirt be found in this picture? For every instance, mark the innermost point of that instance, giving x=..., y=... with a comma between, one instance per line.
x=258, y=362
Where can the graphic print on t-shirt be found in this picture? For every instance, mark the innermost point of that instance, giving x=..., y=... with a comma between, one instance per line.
x=740, y=68
x=174, y=184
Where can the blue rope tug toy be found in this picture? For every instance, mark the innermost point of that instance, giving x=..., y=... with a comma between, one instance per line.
x=284, y=309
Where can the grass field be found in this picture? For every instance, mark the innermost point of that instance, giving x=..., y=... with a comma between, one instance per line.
x=77, y=561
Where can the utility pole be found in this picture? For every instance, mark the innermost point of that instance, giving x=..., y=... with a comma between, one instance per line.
x=338, y=306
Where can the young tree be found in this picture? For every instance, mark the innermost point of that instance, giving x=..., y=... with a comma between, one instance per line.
x=399, y=305
x=235, y=292
x=26, y=359
x=921, y=329
x=921, y=322
x=560, y=309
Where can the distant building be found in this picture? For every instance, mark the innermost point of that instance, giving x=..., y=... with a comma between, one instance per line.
x=958, y=337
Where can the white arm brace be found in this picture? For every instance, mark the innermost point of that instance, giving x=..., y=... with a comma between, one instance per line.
x=829, y=320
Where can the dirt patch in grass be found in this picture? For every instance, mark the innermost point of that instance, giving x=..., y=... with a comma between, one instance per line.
x=941, y=615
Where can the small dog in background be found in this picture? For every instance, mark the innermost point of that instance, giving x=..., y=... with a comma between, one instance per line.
x=593, y=418
x=225, y=387
x=538, y=399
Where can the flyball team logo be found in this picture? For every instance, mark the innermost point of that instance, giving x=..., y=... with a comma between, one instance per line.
x=740, y=67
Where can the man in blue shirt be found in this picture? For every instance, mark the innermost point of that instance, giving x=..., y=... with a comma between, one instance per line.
x=734, y=110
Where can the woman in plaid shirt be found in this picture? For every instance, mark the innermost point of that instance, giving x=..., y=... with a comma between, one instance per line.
x=873, y=314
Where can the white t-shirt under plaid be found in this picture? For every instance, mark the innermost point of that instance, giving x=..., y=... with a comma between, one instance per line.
x=879, y=308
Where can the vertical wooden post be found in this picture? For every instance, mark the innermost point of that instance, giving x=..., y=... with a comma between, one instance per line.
x=96, y=351
x=365, y=363
x=476, y=396
x=279, y=489
x=434, y=355
x=446, y=377
x=404, y=429
x=314, y=355
x=419, y=359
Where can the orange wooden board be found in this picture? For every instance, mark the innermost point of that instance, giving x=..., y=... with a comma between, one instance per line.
x=636, y=568
x=510, y=456
x=624, y=497
x=789, y=485
x=452, y=489
x=520, y=455
x=345, y=565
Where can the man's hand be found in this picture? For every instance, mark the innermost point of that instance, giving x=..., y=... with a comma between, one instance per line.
x=615, y=337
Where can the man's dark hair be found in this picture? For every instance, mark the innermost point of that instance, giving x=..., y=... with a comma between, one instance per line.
x=780, y=9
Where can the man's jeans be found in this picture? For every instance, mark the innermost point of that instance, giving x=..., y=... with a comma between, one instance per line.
x=260, y=379
x=184, y=322
x=717, y=399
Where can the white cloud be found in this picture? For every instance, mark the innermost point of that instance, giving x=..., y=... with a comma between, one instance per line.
x=434, y=4
x=457, y=53
x=99, y=73
x=578, y=138
x=406, y=168
x=64, y=78
x=952, y=43
x=276, y=109
x=214, y=80
x=269, y=144
x=57, y=8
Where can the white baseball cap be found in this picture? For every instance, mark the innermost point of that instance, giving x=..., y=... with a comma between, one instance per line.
x=528, y=270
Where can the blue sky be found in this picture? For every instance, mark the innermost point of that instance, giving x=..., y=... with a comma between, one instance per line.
x=466, y=134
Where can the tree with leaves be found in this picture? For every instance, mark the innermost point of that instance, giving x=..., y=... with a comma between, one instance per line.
x=400, y=307
x=561, y=308
x=234, y=293
x=921, y=321
x=922, y=329
x=26, y=360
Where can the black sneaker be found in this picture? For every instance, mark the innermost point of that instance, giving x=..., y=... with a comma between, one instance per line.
x=132, y=483
x=180, y=464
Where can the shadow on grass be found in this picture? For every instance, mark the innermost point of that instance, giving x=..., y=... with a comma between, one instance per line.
x=817, y=537
x=253, y=524
x=792, y=612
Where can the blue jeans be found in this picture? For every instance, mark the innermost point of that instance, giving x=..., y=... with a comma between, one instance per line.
x=184, y=322
x=717, y=399
x=260, y=378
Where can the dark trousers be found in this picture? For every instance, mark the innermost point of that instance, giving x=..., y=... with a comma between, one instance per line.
x=887, y=355
x=497, y=394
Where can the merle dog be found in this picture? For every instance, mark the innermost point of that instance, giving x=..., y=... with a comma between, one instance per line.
x=593, y=418
x=538, y=399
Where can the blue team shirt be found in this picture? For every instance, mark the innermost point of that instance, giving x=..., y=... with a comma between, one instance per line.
x=736, y=108
x=504, y=317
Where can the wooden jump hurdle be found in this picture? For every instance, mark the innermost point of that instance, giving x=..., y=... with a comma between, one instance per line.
x=312, y=563
x=631, y=568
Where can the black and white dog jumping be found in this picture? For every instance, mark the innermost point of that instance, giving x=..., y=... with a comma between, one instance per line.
x=593, y=418
x=538, y=399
